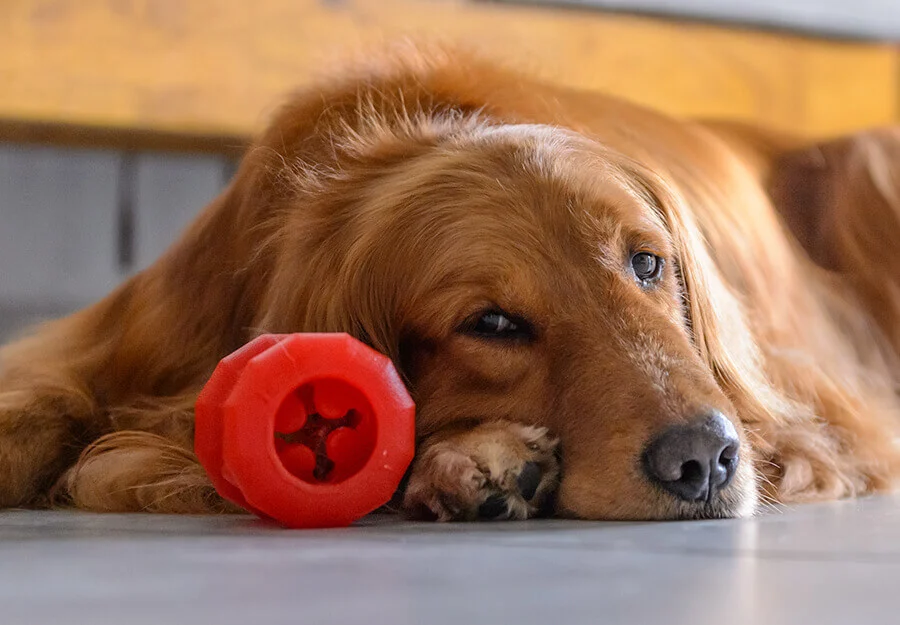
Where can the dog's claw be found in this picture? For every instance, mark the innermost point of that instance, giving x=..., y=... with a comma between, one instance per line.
x=529, y=480
x=493, y=507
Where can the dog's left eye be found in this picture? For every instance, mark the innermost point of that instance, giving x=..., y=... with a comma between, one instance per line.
x=647, y=267
x=497, y=324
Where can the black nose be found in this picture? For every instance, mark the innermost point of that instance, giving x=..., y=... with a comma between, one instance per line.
x=694, y=461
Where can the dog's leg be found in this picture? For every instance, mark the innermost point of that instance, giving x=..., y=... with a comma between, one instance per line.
x=806, y=462
x=494, y=470
x=146, y=464
x=47, y=411
x=134, y=471
x=40, y=435
x=67, y=385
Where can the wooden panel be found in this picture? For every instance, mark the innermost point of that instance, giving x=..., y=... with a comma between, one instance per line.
x=211, y=68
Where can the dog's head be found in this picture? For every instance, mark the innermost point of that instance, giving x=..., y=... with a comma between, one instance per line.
x=527, y=273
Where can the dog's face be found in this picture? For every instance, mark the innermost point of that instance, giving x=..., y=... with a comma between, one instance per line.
x=525, y=273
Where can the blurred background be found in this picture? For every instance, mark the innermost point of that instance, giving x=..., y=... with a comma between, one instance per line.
x=121, y=119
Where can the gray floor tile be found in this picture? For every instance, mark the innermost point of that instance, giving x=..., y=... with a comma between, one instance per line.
x=835, y=563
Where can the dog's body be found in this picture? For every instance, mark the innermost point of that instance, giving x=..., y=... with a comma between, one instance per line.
x=539, y=263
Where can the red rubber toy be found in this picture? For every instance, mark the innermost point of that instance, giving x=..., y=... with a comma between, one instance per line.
x=311, y=430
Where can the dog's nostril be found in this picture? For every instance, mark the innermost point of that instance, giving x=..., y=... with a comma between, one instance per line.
x=722, y=471
x=691, y=471
x=728, y=454
x=694, y=461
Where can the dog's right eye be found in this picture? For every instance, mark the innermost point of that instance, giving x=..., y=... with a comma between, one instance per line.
x=497, y=324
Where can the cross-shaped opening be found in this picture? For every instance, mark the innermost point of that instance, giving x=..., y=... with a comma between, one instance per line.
x=314, y=434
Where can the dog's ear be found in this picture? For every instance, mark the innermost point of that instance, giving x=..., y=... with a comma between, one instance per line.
x=715, y=316
x=329, y=269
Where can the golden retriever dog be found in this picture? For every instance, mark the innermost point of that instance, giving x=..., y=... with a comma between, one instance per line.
x=600, y=311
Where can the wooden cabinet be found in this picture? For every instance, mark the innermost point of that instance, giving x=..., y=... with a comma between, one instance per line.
x=188, y=72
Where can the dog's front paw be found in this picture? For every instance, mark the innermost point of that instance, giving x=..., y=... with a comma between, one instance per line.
x=804, y=474
x=498, y=470
x=807, y=462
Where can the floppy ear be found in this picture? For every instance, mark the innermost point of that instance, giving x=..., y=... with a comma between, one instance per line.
x=331, y=270
x=820, y=422
x=715, y=315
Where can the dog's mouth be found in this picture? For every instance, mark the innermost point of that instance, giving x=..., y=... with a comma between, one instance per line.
x=640, y=498
x=715, y=509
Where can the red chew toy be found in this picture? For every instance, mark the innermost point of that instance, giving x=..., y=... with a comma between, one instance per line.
x=312, y=430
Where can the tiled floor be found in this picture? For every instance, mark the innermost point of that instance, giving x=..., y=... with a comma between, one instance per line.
x=824, y=564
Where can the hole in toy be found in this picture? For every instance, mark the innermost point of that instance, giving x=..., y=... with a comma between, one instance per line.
x=324, y=431
x=314, y=434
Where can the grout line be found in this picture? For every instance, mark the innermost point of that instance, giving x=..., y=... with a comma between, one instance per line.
x=125, y=214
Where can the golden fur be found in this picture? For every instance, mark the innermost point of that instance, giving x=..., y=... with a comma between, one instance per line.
x=401, y=197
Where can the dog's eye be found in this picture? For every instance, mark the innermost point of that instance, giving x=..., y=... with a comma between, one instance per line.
x=498, y=324
x=495, y=323
x=647, y=267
